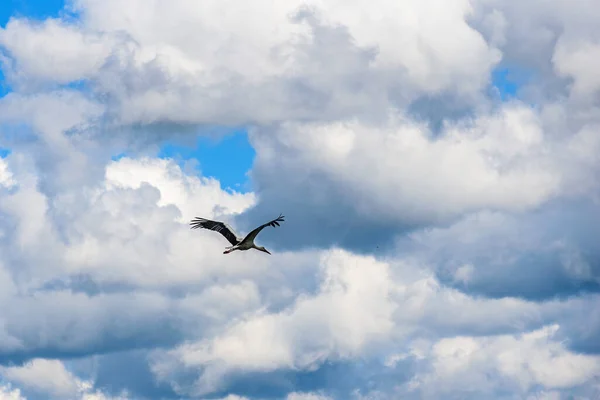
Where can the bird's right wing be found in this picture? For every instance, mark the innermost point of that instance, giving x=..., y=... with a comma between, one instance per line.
x=216, y=226
x=272, y=223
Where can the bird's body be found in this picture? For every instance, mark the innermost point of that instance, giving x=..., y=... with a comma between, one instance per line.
x=237, y=243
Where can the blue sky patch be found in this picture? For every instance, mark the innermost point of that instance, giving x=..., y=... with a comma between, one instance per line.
x=227, y=159
x=36, y=9
x=4, y=89
x=508, y=81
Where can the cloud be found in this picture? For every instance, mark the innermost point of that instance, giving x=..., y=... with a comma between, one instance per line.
x=44, y=375
x=78, y=262
x=5, y=175
x=306, y=396
x=49, y=378
x=314, y=329
x=437, y=237
x=8, y=393
x=50, y=51
x=521, y=362
x=353, y=179
x=195, y=73
x=390, y=309
x=539, y=255
x=416, y=179
x=192, y=196
x=193, y=324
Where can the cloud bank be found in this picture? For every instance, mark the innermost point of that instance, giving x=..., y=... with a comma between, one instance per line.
x=440, y=239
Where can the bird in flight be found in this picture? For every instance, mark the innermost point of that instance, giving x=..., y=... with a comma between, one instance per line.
x=237, y=243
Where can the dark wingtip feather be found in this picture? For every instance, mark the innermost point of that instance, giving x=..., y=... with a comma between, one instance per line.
x=197, y=222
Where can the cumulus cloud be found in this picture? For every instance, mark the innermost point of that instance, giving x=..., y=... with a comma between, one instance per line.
x=522, y=363
x=292, y=60
x=313, y=329
x=391, y=309
x=8, y=393
x=439, y=240
x=208, y=335
x=499, y=254
x=68, y=266
x=306, y=396
x=50, y=51
x=49, y=378
x=397, y=172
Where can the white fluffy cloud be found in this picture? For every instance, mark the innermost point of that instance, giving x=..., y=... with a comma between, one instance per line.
x=49, y=378
x=399, y=172
x=306, y=396
x=363, y=309
x=215, y=332
x=259, y=63
x=463, y=364
x=439, y=242
x=8, y=393
x=350, y=312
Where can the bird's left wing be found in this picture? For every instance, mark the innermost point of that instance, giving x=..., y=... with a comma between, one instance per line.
x=272, y=223
x=217, y=226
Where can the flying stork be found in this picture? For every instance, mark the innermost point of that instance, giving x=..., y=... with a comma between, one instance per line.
x=237, y=243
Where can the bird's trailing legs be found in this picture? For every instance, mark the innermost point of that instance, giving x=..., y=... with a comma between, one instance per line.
x=229, y=249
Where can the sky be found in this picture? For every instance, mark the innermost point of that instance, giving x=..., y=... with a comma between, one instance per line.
x=437, y=163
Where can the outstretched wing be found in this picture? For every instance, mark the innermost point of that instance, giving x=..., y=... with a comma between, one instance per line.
x=217, y=226
x=255, y=232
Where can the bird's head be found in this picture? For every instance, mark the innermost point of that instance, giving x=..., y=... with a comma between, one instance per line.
x=262, y=249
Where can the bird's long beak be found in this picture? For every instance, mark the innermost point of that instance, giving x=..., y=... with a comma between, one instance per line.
x=265, y=250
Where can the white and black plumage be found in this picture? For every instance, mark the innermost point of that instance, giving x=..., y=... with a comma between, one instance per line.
x=237, y=243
